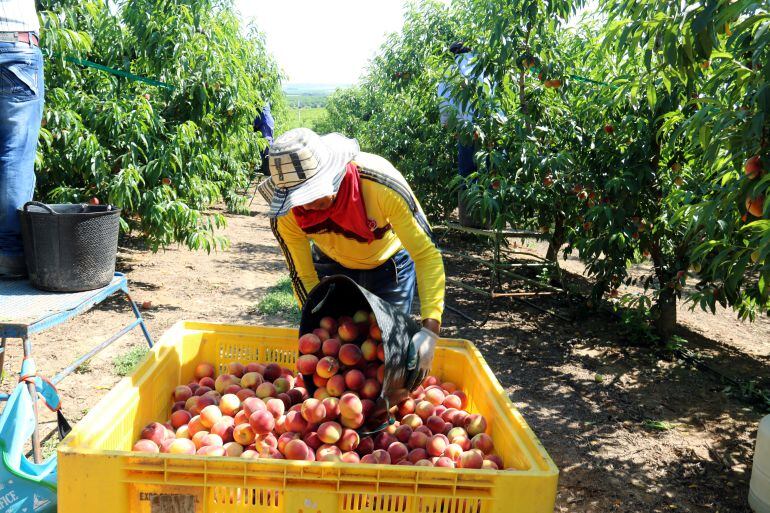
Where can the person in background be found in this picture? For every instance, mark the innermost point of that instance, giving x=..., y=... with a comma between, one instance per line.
x=265, y=124
x=362, y=218
x=21, y=112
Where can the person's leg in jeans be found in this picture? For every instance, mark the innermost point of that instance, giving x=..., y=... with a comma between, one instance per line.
x=21, y=110
x=466, y=165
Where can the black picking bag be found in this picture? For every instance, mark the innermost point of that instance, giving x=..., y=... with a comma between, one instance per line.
x=339, y=295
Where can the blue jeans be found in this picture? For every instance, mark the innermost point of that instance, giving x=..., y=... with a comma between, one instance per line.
x=465, y=162
x=394, y=281
x=21, y=110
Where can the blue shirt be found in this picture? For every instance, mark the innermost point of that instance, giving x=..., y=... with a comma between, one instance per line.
x=265, y=123
x=447, y=105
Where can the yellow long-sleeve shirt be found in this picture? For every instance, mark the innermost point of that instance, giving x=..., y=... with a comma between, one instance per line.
x=389, y=202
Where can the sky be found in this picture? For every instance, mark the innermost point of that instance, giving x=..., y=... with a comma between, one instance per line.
x=323, y=41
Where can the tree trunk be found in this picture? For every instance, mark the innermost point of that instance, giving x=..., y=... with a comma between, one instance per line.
x=557, y=240
x=665, y=314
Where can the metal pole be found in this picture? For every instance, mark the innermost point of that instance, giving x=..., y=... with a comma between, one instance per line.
x=2, y=357
x=33, y=394
x=138, y=315
x=470, y=288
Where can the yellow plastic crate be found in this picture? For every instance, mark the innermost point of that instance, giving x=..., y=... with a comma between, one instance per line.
x=98, y=473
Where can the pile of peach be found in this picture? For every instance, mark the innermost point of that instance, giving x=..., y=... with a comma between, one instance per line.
x=264, y=411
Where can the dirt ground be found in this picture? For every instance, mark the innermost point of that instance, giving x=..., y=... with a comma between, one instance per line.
x=600, y=433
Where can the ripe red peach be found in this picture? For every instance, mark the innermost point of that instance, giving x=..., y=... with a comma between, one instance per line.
x=296, y=450
x=354, y=379
x=369, y=350
x=198, y=438
x=211, y=450
x=225, y=380
x=397, y=451
x=179, y=405
x=435, y=424
x=381, y=352
x=313, y=410
x=329, y=324
x=233, y=449
x=295, y=395
x=463, y=441
x=327, y=367
x=383, y=440
x=371, y=389
x=475, y=424
x=416, y=455
x=285, y=399
x=412, y=420
x=449, y=387
x=285, y=439
x=353, y=421
x=331, y=347
x=332, y=406
x=327, y=449
x=272, y=372
x=455, y=432
x=349, y=440
x=435, y=396
x=350, y=405
x=403, y=433
x=424, y=409
x=367, y=407
x=244, y=434
x=145, y=445
x=370, y=371
x=375, y=333
x=232, y=389
x=460, y=418
x=322, y=335
x=201, y=391
x=252, y=404
x=406, y=407
x=471, y=459
x=452, y=401
x=212, y=439
x=423, y=463
x=453, y=452
x=381, y=457
x=295, y=422
x=318, y=381
x=312, y=441
x=436, y=445
x=154, y=431
x=444, y=462
x=423, y=429
x=236, y=369
x=365, y=445
x=255, y=367
x=489, y=465
x=195, y=425
x=497, y=460
x=309, y=343
x=418, y=394
x=463, y=399
x=430, y=381
x=224, y=429
x=321, y=393
x=350, y=457
x=183, y=432
x=275, y=407
x=182, y=393
x=483, y=442
x=347, y=332
x=329, y=432
x=336, y=385
x=262, y=422
x=210, y=415
x=417, y=440
x=204, y=370
x=180, y=418
x=252, y=380
x=350, y=354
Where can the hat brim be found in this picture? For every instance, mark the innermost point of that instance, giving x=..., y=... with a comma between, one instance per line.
x=325, y=182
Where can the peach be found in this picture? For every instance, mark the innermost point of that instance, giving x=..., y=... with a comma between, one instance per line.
x=204, y=370
x=371, y=389
x=210, y=415
x=329, y=432
x=195, y=425
x=329, y=457
x=405, y=462
x=236, y=369
x=349, y=440
x=327, y=449
x=285, y=439
x=322, y=335
x=381, y=457
x=252, y=404
x=200, y=391
x=350, y=457
x=424, y=409
x=145, y=445
x=213, y=395
x=295, y=395
x=154, y=431
x=368, y=459
x=179, y=405
x=423, y=429
x=212, y=439
x=416, y=455
x=483, y=442
x=275, y=407
x=255, y=367
x=418, y=394
x=329, y=324
x=397, y=451
x=180, y=418
x=272, y=372
x=381, y=373
x=494, y=458
x=455, y=432
x=361, y=317
x=306, y=364
x=435, y=396
x=242, y=417
x=295, y=422
x=403, y=433
x=365, y=446
x=183, y=432
x=383, y=440
x=321, y=393
x=327, y=367
x=370, y=371
x=463, y=399
x=475, y=424
x=347, y=332
x=182, y=446
x=369, y=350
x=452, y=401
x=445, y=462
x=193, y=386
x=412, y=420
x=211, y=450
x=463, y=441
x=229, y=404
x=280, y=425
x=250, y=454
x=471, y=459
x=436, y=445
x=252, y=380
x=435, y=424
x=182, y=393
x=262, y=422
x=198, y=438
x=233, y=450
x=406, y=407
x=430, y=381
x=285, y=398
x=460, y=418
x=381, y=352
x=225, y=380
x=350, y=354
x=489, y=465
x=312, y=440
x=244, y=434
x=332, y=405
x=265, y=390
x=453, y=452
x=350, y=405
x=449, y=387
x=269, y=440
x=282, y=385
x=331, y=347
x=423, y=463
x=232, y=389
x=417, y=440
x=375, y=333
x=207, y=382
x=352, y=422
x=318, y=381
x=367, y=407
x=309, y=343
x=296, y=450
x=224, y=429
x=313, y=411
x=354, y=379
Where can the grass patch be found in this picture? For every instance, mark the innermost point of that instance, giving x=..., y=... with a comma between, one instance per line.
x=125, y=363
x=659, y=425
x=49, y=447
x=83, y=368
x=279, y=301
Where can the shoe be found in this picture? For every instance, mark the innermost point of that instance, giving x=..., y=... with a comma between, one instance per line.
x=12, y=267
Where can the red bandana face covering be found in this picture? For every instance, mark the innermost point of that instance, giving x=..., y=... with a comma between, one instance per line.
x=347, y=214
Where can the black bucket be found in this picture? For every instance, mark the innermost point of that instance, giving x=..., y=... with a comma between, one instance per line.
x=70, y=248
